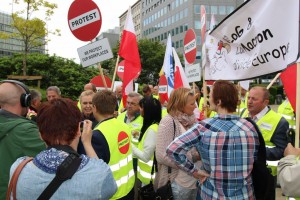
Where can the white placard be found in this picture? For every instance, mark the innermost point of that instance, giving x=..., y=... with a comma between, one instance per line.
x=193, y=72
x=253, y=41
x=95, y=52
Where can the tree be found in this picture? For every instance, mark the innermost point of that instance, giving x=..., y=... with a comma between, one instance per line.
x=69, y=76
x=32, y=31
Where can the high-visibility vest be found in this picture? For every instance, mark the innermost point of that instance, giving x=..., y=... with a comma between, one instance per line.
x=286, y=110
x=164, y=112
x=267, y=125
x=155, y=96
x=117, y=135
x=144, y=169
x=135, y=125
x=121, y=106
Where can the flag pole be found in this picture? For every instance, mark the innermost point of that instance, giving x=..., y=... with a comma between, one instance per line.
x=115, y=71
x=272, y=82
x=297, y=106
x=102, y=75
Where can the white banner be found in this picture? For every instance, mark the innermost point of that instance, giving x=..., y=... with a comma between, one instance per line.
x=95, y=52
x=259, y=38
x=193, y=72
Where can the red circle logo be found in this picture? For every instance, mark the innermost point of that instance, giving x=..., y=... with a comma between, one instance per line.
x=123, y=142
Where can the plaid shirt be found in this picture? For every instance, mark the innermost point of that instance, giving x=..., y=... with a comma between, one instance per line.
x=228, y=146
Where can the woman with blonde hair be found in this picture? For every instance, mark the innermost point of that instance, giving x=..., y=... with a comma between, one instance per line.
x=180, y=118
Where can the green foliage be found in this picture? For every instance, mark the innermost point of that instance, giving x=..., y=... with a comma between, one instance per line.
x=69, y=76
x=152, y=58
x=32, y=31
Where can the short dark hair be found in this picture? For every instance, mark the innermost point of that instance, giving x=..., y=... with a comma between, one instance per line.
x=105, y=102
x=227, y=93
x=58, y=121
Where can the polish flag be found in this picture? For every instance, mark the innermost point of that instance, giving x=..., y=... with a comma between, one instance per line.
x=130, y=53
x=180, y=79
x=289, y=80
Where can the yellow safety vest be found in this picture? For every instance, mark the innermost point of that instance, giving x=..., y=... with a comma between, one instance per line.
x=267, y=125
x=286, y=110
x=120, y=106
x=144, y=169
x=117, y=135
x=164, y=112
x=135, y=125
x=155, y=96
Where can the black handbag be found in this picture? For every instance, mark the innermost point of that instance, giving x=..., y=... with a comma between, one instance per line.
x=147, y=192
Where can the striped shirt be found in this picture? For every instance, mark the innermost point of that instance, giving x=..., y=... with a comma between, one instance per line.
x=228, y=146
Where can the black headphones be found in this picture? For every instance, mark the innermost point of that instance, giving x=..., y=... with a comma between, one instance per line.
x=25, y=98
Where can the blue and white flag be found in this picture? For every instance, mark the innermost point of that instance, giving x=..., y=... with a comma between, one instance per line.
x=168, y=66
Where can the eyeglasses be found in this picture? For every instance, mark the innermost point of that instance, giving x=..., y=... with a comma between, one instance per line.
x=131, y=103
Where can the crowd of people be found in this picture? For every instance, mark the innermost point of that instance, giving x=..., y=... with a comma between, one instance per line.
x=115, y=147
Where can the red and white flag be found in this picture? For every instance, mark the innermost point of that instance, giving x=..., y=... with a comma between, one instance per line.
x=289, y=81
x=180, y=79
x=130, y=53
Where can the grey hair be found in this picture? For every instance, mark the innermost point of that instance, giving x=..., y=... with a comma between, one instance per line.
x=54, y=88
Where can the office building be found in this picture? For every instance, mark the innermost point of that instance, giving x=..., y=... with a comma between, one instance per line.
x=162, y=17
x=10, y=46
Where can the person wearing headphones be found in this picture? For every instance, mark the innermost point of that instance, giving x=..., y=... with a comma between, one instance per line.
x=19, y=136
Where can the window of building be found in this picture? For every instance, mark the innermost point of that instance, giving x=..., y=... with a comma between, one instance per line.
x=181, y=29
x=230, y=9
x=186, y=12
x=173, y=19
x=165, y=35
x=177, y=30
x=222, y=10
x=181, y=43
x=181, y=15
x=207, y=9
x=197, y=9
x=177, y=3
x=177, y=44
x=173, y=33
x=186, y=27
x=214, y=10
x=169, y=21
x=177, y=17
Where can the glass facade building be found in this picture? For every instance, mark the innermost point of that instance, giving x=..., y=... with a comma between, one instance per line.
x=12, y=45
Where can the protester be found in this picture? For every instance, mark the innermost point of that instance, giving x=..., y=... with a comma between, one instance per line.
x=147, y=91
x=271, y=124
x=132, y=116
x=87, y=107
x=227, y=145
x=289, y=172
x=286, y=110
x=151, y=112
x=90, y=86
x=155, y=92
x=111, y=141
x=36, y=100
x=180, y=118
x=19, y=136
x=53, y=92
x=119, y=105
x=58, y=123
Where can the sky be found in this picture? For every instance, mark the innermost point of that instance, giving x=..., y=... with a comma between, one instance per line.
x=67, y=44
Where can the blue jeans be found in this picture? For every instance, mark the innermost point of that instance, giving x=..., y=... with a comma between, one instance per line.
x=181, y=193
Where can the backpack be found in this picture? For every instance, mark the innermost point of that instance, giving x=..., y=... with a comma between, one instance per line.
x=263, y=181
